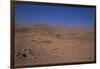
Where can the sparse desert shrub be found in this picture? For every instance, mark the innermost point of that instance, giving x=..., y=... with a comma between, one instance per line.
x=58, y=35
x=47, y=41
x=91, y=33
x=33, y=40
x=72, y=34
x=55, y=49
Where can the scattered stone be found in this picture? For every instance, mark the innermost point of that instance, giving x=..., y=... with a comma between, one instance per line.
x=47, y=41
x=55, y=49
x=24, y=55
x=90, y=58
x=33, y=40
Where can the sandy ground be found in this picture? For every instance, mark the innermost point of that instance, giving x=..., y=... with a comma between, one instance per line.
x=38, y=45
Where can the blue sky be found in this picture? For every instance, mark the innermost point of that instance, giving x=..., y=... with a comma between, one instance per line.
x=72, y=17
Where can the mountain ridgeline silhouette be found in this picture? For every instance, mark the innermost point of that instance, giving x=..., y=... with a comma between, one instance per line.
x=37, y=28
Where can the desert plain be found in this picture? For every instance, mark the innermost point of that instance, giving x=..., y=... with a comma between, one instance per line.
x=44, y=44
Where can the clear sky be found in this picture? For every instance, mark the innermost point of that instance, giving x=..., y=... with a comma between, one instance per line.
x=77, y=17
